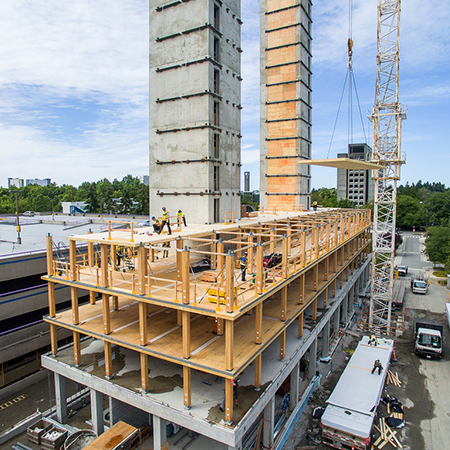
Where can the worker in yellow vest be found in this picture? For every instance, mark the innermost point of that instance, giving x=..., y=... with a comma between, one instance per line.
x=156, y=225
x=180, y=215
x=165, y=220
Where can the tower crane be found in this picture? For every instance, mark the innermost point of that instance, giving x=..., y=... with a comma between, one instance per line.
x=386, y=118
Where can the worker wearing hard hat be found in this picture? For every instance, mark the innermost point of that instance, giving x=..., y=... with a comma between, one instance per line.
x=373, y=340
x=181, y=216
x=156, y=225
x=243, y=265
x=165, y=220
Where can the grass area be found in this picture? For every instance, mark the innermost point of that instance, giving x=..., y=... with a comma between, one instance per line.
x=441, y=273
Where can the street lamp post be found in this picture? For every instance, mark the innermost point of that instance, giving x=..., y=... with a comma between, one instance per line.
x=19, y=239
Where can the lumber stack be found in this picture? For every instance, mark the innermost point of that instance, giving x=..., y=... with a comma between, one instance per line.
x=393, y=379
x=387, y=435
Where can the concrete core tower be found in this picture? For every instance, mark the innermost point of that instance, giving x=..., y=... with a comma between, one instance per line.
x=285, y=103
x=195, y=103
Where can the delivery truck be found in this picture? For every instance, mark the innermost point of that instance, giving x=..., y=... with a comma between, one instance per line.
x=350, y=413
x=428, y=338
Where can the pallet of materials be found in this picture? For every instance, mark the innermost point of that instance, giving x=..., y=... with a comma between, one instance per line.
x=54, y=438
x=119, y=436
x=35, y=431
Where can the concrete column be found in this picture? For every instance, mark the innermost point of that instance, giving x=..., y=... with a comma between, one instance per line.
x=295, y=376
x=61, y=398
x=269, y=423
x=337, y=320
x=312, y=359
x=97, y=412
x=326, y=339
x=159, y=432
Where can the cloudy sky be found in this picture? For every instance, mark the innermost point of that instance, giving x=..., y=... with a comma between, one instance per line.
x=74, y=87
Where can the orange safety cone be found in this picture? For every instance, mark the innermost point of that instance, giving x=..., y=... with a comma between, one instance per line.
x=393, y=352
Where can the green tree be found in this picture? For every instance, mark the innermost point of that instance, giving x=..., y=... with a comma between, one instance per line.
x=437, y=244
x=324, y=197
x=409, y=212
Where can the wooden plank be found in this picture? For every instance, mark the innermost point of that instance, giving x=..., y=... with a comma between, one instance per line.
x=117, y=434
x=258, y=437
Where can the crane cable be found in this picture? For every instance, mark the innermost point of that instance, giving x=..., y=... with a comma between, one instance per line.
x=352, y=82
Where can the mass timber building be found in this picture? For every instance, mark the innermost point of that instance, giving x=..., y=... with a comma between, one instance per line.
x=285, y=103
x=195, y=108
x=171, y=335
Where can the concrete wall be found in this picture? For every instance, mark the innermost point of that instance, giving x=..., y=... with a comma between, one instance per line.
x=195, y=109
x=285, y=104
x=22, y=266
x=127, y=413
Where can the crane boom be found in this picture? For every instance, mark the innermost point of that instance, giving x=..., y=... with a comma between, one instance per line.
x=387, y=116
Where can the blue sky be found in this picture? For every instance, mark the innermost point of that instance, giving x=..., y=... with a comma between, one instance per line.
x=74, y=87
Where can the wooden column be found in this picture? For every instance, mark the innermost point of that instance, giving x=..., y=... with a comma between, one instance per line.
x=325, y=268
x=213, y=252
x=115, y=301
x=73, y=259
x=314, y=310
x=258, y=323
x=325, y=297
x=142, y=262
x=179, y=258
x=289, y=239
x=108, y=359
x=282, y=344
x=106, y=314
x=220, y=326
x=77, y=348
x=341, y=254
x=285, y=255
x=258, y=364
x=229, y=282
x=335, y=261
x=187, y=385
x=352, y=266
x=104, y=264
x=272, y=240
x=228, y=399
x=316, y=242
x=144, y=372
x=75, y=308
x=346, y=273
x=220, y=261
x=250, y=253
x=333, y=289
x=229, y=345
x=327, y=237
x=341, y=279
x=301, y=297
x=303, y=249
x=51, y=299
x=259, y=269
x=143, y=334
x=185, y=277
x=283, y=304
x=49, y=243
x=300, y=325
x=316, y=276
x=91, y=263
x=186, y=332
x=54, y=339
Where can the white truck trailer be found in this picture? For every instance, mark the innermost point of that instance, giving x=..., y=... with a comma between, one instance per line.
x=447, y=312
x=348, y=418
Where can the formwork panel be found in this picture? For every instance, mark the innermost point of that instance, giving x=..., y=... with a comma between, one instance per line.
x=281, y=37
x=281, y=55
x=273, y=5
x=282, y=129
x=281, y=92
x=282, y=148
x=281, y=74
x=281, y=19
x=282, y=111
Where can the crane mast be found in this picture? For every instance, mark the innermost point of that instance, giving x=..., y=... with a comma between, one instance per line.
x=387, y=116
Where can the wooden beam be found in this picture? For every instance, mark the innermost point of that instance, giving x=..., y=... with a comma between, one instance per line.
x=186, y=332
x=76, y=348
x=314, y=309
x=185, y=277
x=229, y=345
x=258, y=365
x=106, y=314
x=283, y=304
x=282, y=344
x=144, y=372
x=187, y=385
x=229, y=282
x=229, y=399
x=108, y=360
x=300, y=325
x=258, y=323
x=54, y=339
x=143, y=333
x=74, y=303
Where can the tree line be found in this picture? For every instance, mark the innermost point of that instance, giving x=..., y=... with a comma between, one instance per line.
x=128, y=196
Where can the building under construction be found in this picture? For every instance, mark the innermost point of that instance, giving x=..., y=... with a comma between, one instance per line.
x=194, y=335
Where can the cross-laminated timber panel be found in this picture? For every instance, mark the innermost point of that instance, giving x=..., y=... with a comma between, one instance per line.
x=191, y=342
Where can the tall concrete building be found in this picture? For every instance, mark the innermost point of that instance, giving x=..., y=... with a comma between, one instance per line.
x=195, y=103
x=285, y=103
x=356, y=185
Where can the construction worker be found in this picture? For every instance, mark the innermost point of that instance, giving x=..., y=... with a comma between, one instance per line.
x=377, y=366
x=243, y=265
x=373, y=340
x=165, y=246
x=314, y=205
x=165, y=220
x=180, y=215
x=157, y=225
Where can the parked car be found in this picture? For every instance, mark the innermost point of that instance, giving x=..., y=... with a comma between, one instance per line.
x=29, y=213
x=272, y=260
x=145, y=223
x=402, y=271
